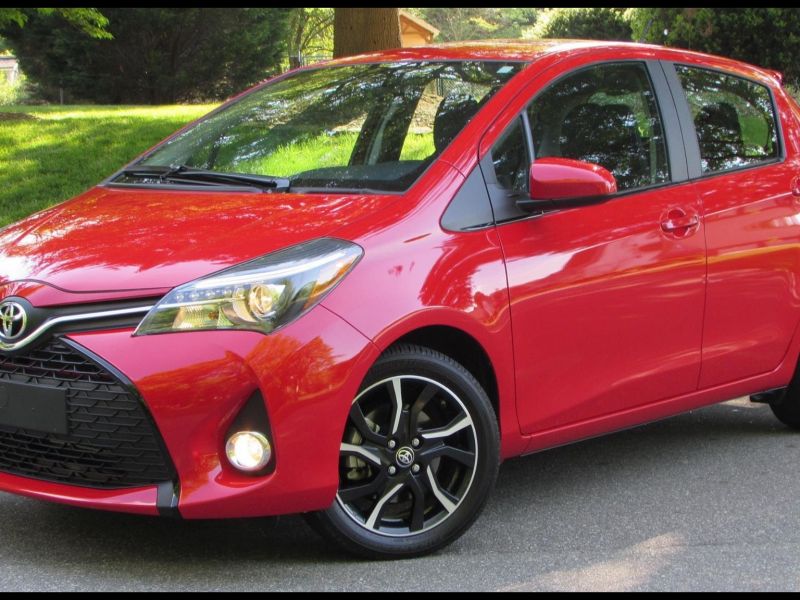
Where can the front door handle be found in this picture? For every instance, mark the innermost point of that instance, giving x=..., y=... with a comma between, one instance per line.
x=679, y=223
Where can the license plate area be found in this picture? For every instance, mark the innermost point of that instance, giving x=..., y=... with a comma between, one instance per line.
x=35, y=407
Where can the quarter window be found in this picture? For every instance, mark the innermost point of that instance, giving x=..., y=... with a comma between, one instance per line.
x=605, y=115
x=510, y=158
x=733, y=117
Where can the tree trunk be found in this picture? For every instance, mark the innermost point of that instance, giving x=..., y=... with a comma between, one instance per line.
x=357, y=30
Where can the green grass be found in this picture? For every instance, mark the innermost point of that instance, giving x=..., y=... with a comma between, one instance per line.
x=418, y=146
x=321, y=151
x=65, y=150
x=325, y=151
x=68, y=149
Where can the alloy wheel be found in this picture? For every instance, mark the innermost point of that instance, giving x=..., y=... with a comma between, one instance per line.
x=408, y=456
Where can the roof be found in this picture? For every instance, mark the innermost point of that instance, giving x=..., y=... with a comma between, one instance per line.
x=520, y=50
x=533, y=50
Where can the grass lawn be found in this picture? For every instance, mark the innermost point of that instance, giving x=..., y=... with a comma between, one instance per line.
x=68, y=149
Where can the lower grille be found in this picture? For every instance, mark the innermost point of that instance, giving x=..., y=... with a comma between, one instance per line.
x=111, y=442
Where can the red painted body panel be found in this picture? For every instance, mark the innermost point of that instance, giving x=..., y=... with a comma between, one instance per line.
x=140, y=501
x=753, y=294
x=94, y=243
x=655, y=322
x=431, y=277
x=195, y=383
x=609, y=275
x=559, y=178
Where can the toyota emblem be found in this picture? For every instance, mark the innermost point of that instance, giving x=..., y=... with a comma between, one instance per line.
x=404, y=457
x=13, y=320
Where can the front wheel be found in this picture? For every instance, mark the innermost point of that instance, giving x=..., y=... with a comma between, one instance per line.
x=418, y=459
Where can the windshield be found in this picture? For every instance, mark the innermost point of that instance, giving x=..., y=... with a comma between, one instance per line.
x=362, y=127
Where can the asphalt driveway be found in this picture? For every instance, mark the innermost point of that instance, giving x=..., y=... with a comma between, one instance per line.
x=709, y=500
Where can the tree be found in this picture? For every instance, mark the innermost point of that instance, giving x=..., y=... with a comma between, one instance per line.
x=310, y=34
x=584, y=23
x=768, y=37
x=89, y=20
x=157, y=55
x=357, y=30
x=456, y=24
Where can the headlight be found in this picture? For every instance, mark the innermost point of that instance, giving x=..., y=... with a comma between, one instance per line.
x=260, y=295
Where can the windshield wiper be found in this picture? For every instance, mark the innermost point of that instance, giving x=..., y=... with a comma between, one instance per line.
x=182, y=173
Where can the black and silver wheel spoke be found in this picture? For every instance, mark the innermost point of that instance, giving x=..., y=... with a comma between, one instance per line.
x=357, y=492
x=425, y=396
x=465, y=457
x=408, y=457
x=456, y=425
x=418, y=508
x=359, y=421
x=364, y=452
x=446, y=499
x=395, y=386
x=380, y=505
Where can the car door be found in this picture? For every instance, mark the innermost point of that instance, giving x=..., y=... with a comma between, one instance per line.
x=606, y=299
x=747, y=182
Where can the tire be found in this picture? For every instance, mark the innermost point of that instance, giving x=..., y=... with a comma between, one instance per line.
x=412, y=481
x=786, y=406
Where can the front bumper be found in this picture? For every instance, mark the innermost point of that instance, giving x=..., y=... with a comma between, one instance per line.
x=195, y=383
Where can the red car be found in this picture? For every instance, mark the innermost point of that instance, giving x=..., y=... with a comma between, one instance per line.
x=355, y=289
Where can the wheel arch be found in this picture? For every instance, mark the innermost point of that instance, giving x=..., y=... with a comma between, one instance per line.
x=488, y=357
x=462, y=348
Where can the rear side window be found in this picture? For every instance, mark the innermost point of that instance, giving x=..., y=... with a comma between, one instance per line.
x=734, y=119
x=607, y=115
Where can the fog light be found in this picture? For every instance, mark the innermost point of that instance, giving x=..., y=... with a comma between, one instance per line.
x=248, y=450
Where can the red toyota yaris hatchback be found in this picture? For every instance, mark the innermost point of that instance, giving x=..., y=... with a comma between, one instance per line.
x=355, y=289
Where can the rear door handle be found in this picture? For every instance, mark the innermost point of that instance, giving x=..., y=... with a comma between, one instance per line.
x=679, y=223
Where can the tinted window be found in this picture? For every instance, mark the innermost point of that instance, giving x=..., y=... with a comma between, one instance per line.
x=605, y=115
x=733, y=118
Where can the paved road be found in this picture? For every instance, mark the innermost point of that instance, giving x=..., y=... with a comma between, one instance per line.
x=705, y=501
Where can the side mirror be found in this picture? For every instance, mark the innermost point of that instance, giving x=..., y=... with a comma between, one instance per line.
x=563, y=182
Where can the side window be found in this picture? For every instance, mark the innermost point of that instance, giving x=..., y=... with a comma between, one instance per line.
x=510, y=159
x=607, y=115
x=733, y=117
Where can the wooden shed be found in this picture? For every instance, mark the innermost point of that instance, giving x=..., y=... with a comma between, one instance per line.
x=414, y=31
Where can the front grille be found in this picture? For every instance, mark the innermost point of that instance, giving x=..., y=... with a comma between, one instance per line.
x=112, y=441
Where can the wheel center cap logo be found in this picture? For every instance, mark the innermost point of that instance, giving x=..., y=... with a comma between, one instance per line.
x=404, y=457
x=13, y=320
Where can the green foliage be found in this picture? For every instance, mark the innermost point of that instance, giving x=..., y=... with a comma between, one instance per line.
x=768, y=37
x=583, y=23
x=63, y=150
x=89, y=20
x=13, y=93
x=156, y=56
x=477, y=23
x=309, y=35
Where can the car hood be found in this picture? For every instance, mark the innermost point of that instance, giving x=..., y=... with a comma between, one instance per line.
x=111, y=239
